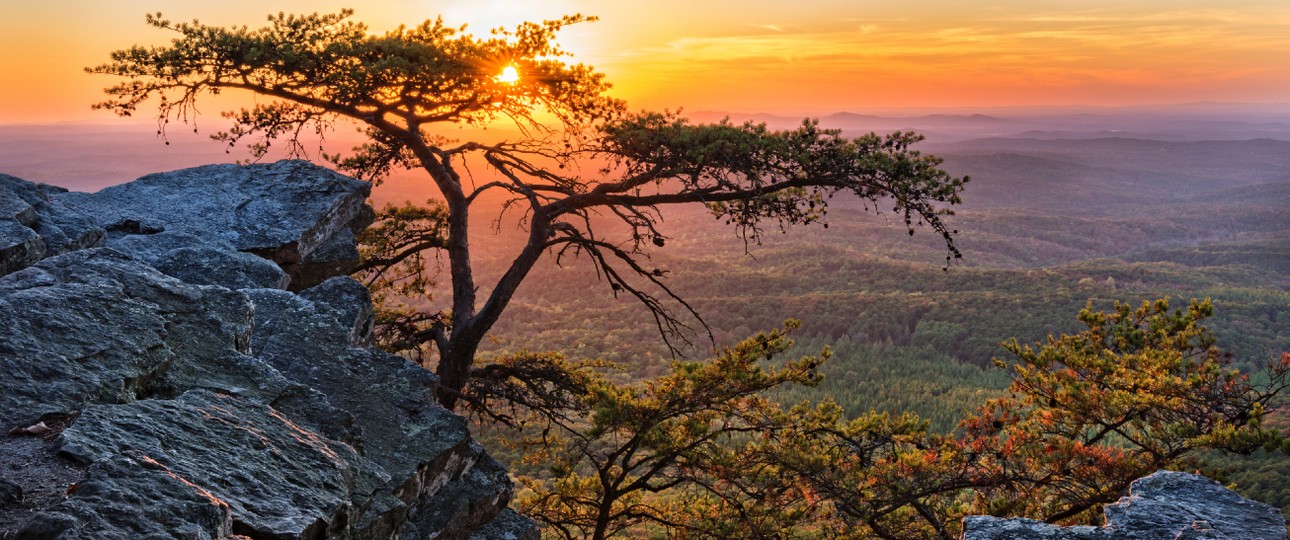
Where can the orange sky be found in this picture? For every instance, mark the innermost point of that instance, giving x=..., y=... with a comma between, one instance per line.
x=808, y=57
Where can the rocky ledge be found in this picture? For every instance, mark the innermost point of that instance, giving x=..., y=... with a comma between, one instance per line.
x=1164, y=506
x=184, y=359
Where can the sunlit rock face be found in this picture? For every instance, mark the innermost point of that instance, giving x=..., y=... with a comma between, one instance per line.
x=1166, y=506
x=163, y=380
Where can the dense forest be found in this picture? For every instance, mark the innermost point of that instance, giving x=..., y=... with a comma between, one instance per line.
x=1048, y=226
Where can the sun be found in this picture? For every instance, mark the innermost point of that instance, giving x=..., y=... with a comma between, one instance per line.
x=509, y=75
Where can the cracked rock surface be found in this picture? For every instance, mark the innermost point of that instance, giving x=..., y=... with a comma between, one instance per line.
x=189, y=393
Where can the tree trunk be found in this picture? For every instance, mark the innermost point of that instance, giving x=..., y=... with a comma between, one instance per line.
x=456, y=357
x=454, y=369
x=602, y=520
x=468, y=326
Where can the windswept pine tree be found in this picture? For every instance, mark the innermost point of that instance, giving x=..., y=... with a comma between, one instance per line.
x=582, y=153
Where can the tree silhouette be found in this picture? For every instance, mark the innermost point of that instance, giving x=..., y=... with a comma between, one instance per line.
x=581, y=154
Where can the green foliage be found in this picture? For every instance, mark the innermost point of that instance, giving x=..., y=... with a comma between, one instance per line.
x=394, y=266
x=1138, y=390
x=853, y=285
x=894, y=379
x=322, y=66
x=1262, y=476
x=657, y=453
x=704, y=452
x=871, y=167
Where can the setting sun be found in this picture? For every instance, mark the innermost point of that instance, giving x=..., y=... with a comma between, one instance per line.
x=509, y=75
x=778, y=58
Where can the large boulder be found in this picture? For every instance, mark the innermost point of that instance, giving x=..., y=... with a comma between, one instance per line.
x=161, y=382
x=1166, y=505
x=283, y=211
x=34, y=226
x=202, y=261
x=95, y=326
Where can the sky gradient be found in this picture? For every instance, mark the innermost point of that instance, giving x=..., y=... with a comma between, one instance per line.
x=811, y=57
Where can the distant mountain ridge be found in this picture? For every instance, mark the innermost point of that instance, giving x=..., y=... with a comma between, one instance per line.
x=1170, y=124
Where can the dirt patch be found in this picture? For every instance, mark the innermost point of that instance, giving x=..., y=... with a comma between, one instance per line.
x=33, y=476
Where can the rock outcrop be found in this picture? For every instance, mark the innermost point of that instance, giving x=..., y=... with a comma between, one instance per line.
x=34, y=226
x=1164, y=506
x=163, y=380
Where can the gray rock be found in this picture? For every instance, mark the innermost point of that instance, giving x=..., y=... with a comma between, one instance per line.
x=76, y=337
x=993, y=528
x=212, y=403
x=20, y=246
x=62, y=228
x=350, y=302
x=337, y=257
x=12, y=206
x=9, y=492
x=422, y=446
x=1166, y=505
x=1171, y=503
x=343, y=247
x=96, y=326
x=278, y=480
x=463, y=507
x=202, y=262
x=47, y=526
x=130, y=496
x=282, y=211
x=508, y=525
x=32, y=226
x=35, y=475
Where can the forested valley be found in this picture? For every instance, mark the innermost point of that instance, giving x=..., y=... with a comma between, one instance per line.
x=1050, y=222
x=1047, y=227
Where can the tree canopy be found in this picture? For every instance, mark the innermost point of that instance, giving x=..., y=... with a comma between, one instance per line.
x=619, y=458
x=582, y=155
x=700, y=452
x=1140, y=389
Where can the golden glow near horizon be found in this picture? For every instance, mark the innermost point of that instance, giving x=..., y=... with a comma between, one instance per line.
x=809, y=57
